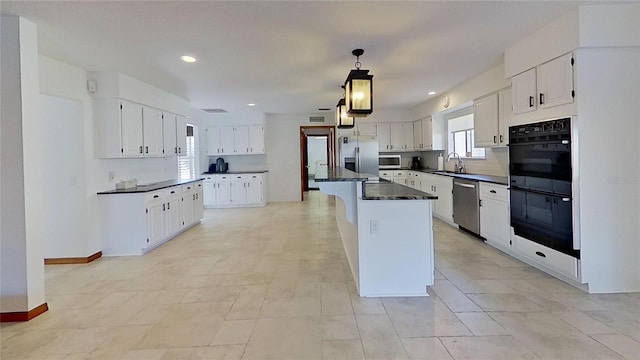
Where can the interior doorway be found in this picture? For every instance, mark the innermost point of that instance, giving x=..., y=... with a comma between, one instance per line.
x=317, y=151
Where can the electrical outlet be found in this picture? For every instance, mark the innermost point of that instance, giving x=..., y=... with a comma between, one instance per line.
x=374, y=226
x=112, y=175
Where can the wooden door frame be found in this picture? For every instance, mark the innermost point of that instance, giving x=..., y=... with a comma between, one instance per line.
x=330, y=133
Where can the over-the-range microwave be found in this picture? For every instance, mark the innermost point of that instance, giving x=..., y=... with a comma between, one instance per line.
x=386, y=162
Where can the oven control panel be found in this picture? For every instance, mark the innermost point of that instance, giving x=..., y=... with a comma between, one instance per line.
x=559, y=129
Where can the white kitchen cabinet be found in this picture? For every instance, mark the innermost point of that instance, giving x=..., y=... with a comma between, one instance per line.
x=192, y=202
x=135, y=223
x=152, y=136
x=386, y=174
x=384, y=137
x=396, y=138
x=132, y=132
x=407, y=136
x=367, y=129
x=494, y=215
x=238, y=189
x=547, y=85
x=256, y=139
x=238, y=140
x=169, y=131
x=492, y=117
x=234, y=190
x=223, y=191
x=441, y=186
x=181, y=135
x=426, y=135
x=254, y=190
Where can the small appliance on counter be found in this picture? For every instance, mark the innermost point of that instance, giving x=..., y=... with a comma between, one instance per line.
x=218, y=167
x=415, y=163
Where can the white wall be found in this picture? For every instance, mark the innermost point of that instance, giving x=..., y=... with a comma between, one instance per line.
x=21, y=265
x=316, y=152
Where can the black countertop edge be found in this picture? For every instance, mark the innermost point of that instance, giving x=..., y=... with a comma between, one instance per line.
x=150, y=187
x=341, y=174
x=385, y=190
x=502, y=180
x=237, y=172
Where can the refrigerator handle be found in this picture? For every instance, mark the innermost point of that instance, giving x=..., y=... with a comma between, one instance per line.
x=357, y=159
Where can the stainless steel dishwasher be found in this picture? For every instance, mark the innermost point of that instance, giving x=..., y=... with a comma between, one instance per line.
x=466, y=205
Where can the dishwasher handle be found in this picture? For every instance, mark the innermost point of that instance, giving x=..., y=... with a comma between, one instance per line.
x=464, y=185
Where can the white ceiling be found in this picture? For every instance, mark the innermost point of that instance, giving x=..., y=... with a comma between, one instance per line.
x=286, y=56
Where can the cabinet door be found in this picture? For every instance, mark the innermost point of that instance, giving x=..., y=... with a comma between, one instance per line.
x=427, y=133
x=494, y=222
x=213, y=141
x=198, y=205
x=209, y=193
x=241, y=140
x=152, y=131
x=407, y=136
x=226, y=140
x=131, y=120
x=505, y=115
x=181, y=135
x=173, y=215
x=555, y=82
x=397, y=143
x=417, y=135
x=367, y=129
x=254, y=189
x=384, y=137
x=238, y=190
x=169, y=134
x=188, y=207
x=155, y=223
x=256, y=139
x=485, y=121
x=223, y=191
x=523, y=92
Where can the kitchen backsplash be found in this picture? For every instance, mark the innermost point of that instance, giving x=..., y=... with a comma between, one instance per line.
x=496, y=162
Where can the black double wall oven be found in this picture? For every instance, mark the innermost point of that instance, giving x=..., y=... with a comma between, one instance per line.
x=541, y=182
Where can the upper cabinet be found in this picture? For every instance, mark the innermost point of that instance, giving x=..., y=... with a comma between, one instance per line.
x=235, y=140
x=492, y=117
x=545, y=86
x=427, y=135
x=395, y=137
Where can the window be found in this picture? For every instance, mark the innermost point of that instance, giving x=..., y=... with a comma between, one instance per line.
x=461, y=134
x=187, y=163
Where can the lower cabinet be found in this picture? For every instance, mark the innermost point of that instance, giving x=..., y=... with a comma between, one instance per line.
x=135, y=223
x=494, y=214
x=235, y=190
x=441, y=186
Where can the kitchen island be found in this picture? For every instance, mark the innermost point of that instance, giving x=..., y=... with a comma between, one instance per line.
x=386, y=231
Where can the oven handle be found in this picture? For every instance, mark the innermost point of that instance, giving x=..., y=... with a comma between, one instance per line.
x=542, y=142
x=563, y=197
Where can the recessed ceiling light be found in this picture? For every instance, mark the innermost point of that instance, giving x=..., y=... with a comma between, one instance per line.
x=251, y=104
x=432, y=92
x=188, y=59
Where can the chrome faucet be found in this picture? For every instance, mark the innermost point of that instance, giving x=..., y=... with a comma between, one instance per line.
x=457, y=167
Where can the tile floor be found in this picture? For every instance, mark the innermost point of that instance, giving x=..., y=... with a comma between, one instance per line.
x=273, y=283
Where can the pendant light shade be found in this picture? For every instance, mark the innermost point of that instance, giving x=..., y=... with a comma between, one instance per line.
x=359, y=90
x=342, y=119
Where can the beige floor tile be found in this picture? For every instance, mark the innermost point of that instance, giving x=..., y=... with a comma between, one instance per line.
x=339, y=327
x=423, y=317
x=335, y=299
x=224, y=352
x=504, y=302
x=286, y=338
x=429, y=348
x=232, y=332
x=118, y=342
x=379, y=338
x=290, y=307
x=342, y=350
x=212, y=294
x=627, y=323
x=481, y=324
x=584, y=322
x=452, y=297
x=367, y=306
x=487, y=347
x=623, y=345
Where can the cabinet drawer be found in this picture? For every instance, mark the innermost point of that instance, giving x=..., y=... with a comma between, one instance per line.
x=158, y=195
x=400, y=173
x=547, y=257
x=186, y=188
x=385, y=173
x=495, y=191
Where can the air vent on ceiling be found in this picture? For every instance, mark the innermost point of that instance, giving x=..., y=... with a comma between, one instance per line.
x=215, y=111
x=316, y=118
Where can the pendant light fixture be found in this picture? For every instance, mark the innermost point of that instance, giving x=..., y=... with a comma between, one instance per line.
x=359, y=90
x=342, y=119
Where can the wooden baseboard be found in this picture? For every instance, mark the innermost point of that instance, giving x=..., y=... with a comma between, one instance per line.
x=23, y=315
x=75, y=260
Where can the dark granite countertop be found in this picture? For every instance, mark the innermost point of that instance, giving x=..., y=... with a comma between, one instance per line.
x=502, y=180
x=342, y=174
x=385, y=190
x=237, y=172
x=150, y=187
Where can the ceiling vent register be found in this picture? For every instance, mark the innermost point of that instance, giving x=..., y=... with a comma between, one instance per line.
x=215, y=111
x=316, y=118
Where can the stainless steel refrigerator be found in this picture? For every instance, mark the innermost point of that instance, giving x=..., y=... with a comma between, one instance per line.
x=359, y=154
